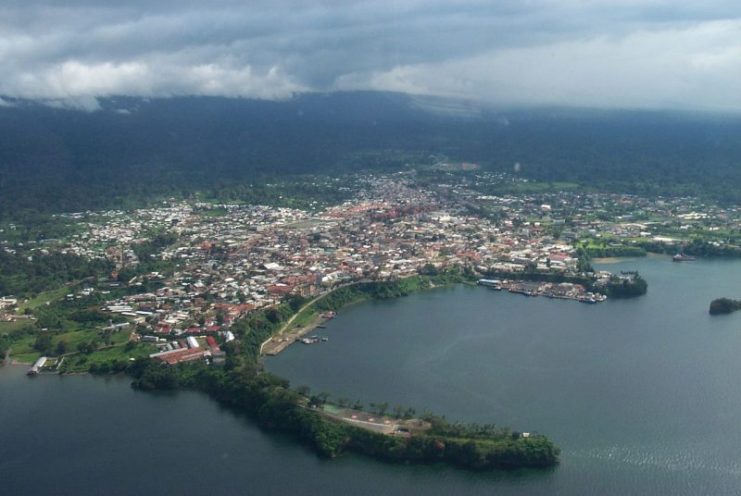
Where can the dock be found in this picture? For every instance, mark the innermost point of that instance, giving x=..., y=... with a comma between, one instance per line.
x=37, y=366
x=280, y=342
x=560, y=291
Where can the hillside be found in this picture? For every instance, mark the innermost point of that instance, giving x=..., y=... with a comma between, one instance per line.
x=54, y=159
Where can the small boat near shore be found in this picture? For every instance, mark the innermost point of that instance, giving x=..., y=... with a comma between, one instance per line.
x=681, y=257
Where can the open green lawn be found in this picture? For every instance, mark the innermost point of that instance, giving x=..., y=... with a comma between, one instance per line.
x=22, y=349
x=81, y=363
x=305, y=317
x=13, y=327
x=46, y=296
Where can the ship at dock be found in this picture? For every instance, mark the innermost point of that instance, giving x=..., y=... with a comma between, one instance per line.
x=562, y=291
x=491, y=283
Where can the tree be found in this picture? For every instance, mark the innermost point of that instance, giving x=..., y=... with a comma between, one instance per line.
x=42, y=344
x=303, y=390
x=87, y=347
x=61, y=348
x=318, y=399
x=429, y=270
x=583, y=264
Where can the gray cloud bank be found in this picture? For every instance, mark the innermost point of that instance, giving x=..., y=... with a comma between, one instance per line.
x=611, y=53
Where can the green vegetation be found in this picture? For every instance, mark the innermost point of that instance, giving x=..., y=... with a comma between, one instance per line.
x=468, y=446
x=306, y=192
x=603, y=249
x=275, y=406
x=243, y=385
x=388, y=289
x=148, y=255
x=429, y=277
x=61, y=160
x=626, y=285
x=696, y=247
x=66, y=327
x=724, y=305
x=24, y=275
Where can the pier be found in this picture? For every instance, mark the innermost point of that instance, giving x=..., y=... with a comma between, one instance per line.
x=281, y=341
x=561, y=291
x=37, y=366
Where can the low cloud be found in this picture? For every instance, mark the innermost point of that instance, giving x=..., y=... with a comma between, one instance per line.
x=696, y=67
x=647, y=54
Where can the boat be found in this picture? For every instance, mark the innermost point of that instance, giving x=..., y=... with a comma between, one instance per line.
x=681, y=257
x=495, y=284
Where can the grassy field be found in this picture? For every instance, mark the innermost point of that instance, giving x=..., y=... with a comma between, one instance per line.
x=81, y=363
x=13, y=327
x=304, y=318
x=46, y=297
x=22, y=349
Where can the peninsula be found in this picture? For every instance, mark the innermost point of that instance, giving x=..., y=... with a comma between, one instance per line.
x=191, y=293
x=329, y=428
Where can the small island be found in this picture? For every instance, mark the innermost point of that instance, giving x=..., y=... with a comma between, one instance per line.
x=722, y=306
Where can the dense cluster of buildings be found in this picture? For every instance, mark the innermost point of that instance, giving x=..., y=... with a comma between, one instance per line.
x=232, y=259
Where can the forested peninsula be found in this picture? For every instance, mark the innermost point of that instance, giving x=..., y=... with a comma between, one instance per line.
x=243, y=385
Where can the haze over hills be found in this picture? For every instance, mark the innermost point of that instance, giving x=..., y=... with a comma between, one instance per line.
x=56, y=159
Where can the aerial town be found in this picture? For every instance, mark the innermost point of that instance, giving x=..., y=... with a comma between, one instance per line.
x=214, y=263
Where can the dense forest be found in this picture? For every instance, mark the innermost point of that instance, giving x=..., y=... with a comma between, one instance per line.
x=24, y=275
x=134, y=150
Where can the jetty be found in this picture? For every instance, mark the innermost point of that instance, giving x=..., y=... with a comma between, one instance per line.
x=37, y=366
x=283, y=340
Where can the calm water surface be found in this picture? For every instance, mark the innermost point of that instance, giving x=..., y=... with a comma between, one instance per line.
x=642, y=395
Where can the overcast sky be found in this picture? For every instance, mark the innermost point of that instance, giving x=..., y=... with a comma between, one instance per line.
x=611, y=53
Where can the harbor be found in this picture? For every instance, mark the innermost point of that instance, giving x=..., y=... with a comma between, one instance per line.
x=283, y=340
x=562, y=291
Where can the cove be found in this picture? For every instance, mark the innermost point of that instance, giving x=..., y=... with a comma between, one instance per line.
x=640, y=394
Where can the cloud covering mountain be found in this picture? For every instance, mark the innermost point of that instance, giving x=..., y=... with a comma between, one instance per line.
x=602, y=53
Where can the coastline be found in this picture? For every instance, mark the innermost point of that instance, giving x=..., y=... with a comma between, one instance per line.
x=617, y=260
x=283, y=339
x=270, y=401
